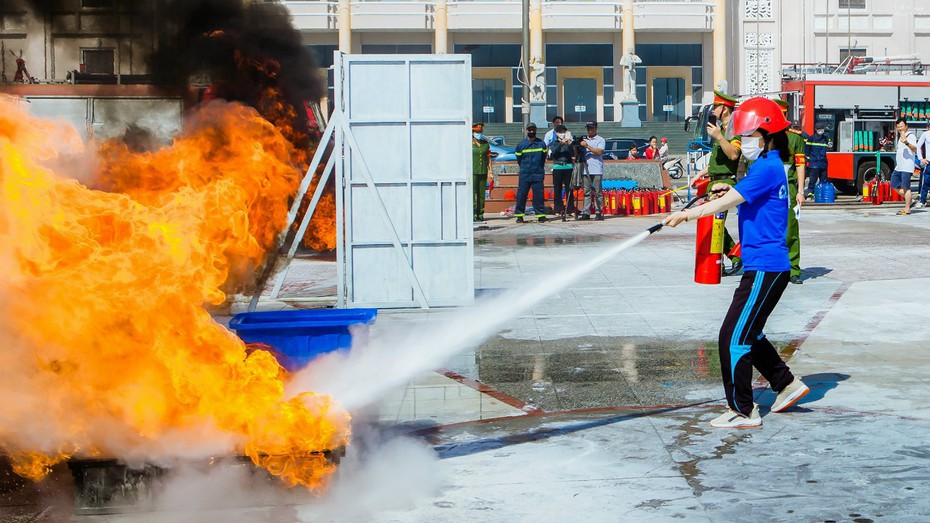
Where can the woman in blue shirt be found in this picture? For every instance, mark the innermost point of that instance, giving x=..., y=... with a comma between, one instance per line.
x=762, y=197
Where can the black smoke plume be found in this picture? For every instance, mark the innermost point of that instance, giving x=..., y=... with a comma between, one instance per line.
x=242, y=50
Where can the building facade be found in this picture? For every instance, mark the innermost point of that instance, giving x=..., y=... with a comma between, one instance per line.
x=576, y=47
x=773, y=37
x=106, y=37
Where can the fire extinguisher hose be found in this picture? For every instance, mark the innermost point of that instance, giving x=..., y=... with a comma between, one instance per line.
x=657, y=227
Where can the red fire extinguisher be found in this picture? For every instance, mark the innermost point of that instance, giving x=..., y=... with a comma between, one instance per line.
x=878, y=192
x=708, y=253
x=638, y=203
x=701, y=186
x=628, y=202
x=662, y=207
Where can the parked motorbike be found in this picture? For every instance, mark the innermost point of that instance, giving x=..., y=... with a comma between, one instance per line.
x=674, y=167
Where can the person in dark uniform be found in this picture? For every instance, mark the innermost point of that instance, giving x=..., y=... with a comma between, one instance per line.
x=723, y=164
x=816, y=150
x=531, y=156
x=763, y=223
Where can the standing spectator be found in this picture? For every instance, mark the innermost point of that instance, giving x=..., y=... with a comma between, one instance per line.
x=652, y=151
x=480, y=167
x=550, y=136
x=633, y=154
x=594, y=172
x=663, y=151
x=923, y=166
x=560, y=151
x=531, y=156
x=816, y=150
x=723, y=164
x=904, y=163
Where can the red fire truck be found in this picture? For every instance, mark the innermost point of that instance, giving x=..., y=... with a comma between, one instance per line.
x=858, y=111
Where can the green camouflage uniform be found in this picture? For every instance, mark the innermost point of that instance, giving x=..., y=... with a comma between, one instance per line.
x=480, y=150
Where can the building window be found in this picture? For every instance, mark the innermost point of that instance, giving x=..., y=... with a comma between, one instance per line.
x=852, y=4
x=491, y=55
x=669, y=54
x=579, y=55
x=98, y=61
x=397, y=49
x=97, y=4
x=323, y=54
x=855, y=51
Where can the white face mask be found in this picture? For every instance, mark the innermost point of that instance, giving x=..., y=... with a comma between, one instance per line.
x=820, y=132
x=478, y=136
x=561, y=136
x=752, y=147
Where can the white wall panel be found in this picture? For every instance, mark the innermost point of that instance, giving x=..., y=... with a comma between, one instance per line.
x=410, y=116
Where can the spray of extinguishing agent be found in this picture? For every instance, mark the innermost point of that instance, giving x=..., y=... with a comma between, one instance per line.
x=378, y=364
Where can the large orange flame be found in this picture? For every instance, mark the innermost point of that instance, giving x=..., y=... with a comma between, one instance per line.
x=109, y=349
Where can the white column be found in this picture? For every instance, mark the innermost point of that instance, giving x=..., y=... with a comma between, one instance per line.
x=441, y=42
x=720, y=42
x=536, y=31
x=345, y=26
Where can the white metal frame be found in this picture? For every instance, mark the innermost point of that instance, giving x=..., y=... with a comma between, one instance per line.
x=423, y=236
x=419, y=252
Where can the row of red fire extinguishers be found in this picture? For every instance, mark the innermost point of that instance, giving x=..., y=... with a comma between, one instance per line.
x=634, y=202
x=879, y=191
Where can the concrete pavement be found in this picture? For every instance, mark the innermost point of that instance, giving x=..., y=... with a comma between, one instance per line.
x=595, y=405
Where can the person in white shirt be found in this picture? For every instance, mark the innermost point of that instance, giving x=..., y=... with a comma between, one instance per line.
x=594, y=173
x=923, y=165
x=904, y=163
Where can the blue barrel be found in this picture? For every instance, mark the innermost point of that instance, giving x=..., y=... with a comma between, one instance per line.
x=298, y=336
x=818, y=193
x=828, y=195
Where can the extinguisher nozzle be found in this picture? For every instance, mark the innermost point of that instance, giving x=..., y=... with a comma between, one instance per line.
x=655, y=228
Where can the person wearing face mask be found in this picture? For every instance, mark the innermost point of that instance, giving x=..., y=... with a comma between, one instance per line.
x=560, y=151
x=816, y=149
x=550, y=135
x=723, y=164
x=762, y=199
x=531, y=156
x=480, y=167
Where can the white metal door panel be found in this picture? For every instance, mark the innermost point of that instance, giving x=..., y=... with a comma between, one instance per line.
x=407, y=235
x=70, y=109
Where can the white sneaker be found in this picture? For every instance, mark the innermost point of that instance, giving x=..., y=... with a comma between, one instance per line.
x=790, y=395
x=734, y=420
x=918, y=205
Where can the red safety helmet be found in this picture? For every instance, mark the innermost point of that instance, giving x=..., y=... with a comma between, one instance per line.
x=758, y=114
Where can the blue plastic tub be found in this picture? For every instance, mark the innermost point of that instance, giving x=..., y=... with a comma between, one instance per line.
x=300, y=336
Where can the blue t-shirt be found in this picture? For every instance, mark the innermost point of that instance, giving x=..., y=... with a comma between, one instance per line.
x=763, y=218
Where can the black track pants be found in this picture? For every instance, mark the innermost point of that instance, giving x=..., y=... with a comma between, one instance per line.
x=742, y=343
